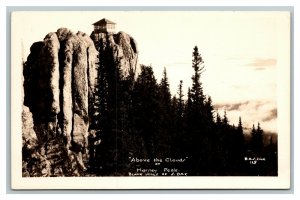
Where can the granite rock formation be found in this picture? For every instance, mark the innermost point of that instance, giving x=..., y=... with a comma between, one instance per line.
x=124, y=50
x=60, y=76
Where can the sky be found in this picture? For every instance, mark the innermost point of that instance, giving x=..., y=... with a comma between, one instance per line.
x=242, y=51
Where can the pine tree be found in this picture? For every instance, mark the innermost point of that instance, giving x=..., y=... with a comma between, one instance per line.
x=164, y=132
x=236, y=147
x=257, y=139
x=146, y=105
x=110, y=117
x=209, y=112
x=173, y=114
x=240, y=136
x=196, y=122
x=225, y=119
x=225, y=142
x=179, y=123
x=187, y=140
x=253, y=131
x=180, y=100
x=240, y=126
x=218, y=120
x=197, y=96
x=165, y=88
x=188, y=107
x=165, y=96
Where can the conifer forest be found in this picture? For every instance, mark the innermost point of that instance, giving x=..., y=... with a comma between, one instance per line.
x=141, y=125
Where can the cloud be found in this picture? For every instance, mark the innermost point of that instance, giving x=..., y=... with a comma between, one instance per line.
x=247, y=104
x=261, y=64
x=272, y=115
x=231, y=107
x=251, y=112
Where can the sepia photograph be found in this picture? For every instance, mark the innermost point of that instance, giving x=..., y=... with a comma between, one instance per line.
x=150, y=99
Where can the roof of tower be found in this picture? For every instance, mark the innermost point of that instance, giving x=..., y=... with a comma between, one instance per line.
x=103, y=22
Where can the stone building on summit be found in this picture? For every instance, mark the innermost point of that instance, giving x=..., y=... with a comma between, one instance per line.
x=104, y=26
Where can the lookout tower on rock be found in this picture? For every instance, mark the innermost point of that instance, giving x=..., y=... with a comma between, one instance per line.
x=104, y=26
